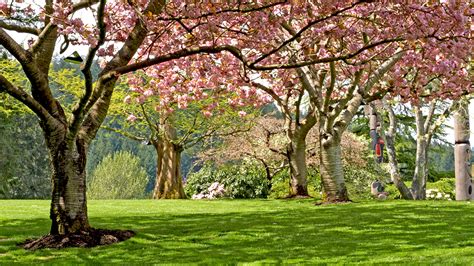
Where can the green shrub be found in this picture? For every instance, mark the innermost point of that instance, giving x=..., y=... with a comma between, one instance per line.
x=445, y=186
x=243, y=181
x=118, y=176
x=281, y=187
x=358, y=179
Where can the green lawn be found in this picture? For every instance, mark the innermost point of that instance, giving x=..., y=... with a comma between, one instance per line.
x=254, y=231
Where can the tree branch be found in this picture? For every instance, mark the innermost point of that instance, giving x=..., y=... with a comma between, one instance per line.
x=298, y=34
x=78, y=110
x=330, y=89
x=22, y=96
x=19, y=28
x=124, y=133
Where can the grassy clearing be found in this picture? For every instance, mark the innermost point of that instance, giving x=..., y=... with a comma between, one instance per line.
x=254, y=231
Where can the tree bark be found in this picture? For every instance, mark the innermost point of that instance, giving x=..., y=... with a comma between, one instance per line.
x=418, y=185
x=169, y=184
x=392, y=155
x=296, y=154
x=68, y=211
x=332, y=173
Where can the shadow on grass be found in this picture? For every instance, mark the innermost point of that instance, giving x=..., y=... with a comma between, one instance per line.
x=345, y=233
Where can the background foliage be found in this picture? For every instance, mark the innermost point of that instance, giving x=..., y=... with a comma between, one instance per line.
x=118, y=176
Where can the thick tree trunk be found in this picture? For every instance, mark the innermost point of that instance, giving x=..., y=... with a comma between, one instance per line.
x=296, y=154
x=332, y=173
x=169, y=184
x=68, y=206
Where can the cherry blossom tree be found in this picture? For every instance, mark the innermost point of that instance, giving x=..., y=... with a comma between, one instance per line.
x=340, y=49
x=129, y=35
x=421, y=40
x=173, y=126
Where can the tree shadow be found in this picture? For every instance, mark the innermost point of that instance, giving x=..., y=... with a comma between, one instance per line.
x=343, y=233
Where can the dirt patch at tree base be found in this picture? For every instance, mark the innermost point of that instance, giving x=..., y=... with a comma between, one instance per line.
x=297, y=197
x=84, y=239
x=319, y=203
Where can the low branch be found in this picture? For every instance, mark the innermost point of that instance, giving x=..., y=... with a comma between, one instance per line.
x=238, y=54
x=124, y=133
x=22, y=96
x=19, y=28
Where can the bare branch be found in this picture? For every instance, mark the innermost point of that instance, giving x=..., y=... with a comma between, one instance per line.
x=19, y=28
x=380, y=72
x=230, y=10
x=84, y=4
x=77, y=111
x=40, y=88
x=13, y=47
x=330, y=89
x=429, y=117
x=22, y=96
x=350, y=93
x=124, y=133
x=42, y=37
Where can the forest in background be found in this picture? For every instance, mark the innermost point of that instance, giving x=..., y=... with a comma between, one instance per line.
x=22, y=141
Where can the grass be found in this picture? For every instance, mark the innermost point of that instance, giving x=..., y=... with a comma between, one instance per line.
x=254, y=231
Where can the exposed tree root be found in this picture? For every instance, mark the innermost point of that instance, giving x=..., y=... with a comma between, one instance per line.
x=84, y=239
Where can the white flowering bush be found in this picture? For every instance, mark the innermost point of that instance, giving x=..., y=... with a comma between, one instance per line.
x=214, y=191
x=436, y=194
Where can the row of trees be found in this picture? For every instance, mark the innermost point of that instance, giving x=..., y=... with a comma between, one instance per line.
x=339, y=53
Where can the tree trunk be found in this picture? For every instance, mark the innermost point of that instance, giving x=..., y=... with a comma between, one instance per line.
x=394, y=170
x=68, y=211
x=418, y=186
x=296, y=154
x=332, y=173
x=169, y=184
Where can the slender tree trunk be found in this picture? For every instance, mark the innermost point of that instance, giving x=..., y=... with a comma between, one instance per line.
x=392, y=156
x=332, y=173
x=169, y=184
x=296, y=154
x=418, y=186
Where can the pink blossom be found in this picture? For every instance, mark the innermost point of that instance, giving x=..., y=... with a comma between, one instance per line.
x=242, y=113
x=131, y=118
x=206, y=113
